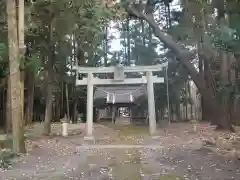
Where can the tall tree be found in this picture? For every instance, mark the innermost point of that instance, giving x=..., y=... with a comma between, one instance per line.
x=21, y=46
x=184, y=56
x=15, y=81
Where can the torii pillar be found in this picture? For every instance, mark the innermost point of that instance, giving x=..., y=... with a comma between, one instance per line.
x=151, y=103
x=89, y=130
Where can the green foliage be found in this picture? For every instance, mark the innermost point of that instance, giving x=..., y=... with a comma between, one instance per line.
x=182, y=32
x=5, y=158
x=143, y=45
x=2, y=50
x=85, y=21
x=3, y=68
x=5, y=153
x=3, y=71
x=33, y=63
x=224, y=38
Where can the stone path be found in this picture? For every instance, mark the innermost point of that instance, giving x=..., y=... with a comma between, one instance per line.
x=174, y=154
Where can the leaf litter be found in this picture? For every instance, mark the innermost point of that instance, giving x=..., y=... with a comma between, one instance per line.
x=187, y=153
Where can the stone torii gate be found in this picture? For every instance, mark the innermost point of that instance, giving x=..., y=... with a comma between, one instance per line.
x=119, y=78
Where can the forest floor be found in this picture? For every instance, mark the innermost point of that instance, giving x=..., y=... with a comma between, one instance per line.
x=126, y=152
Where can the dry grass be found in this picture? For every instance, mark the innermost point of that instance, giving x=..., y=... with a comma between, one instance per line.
x=125, y=134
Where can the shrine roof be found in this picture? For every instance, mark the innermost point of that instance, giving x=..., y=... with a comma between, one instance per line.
x=122, y=93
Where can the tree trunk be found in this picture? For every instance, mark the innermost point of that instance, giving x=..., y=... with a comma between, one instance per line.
x=21, y=45
x=200, y=28
x=128, y=42
x=49, y=104
x=235, y=113
x=15, y=82
x=186, y=111
x=114, y=110
x=191, y=99
x=171, y=112
x=178, y=116
x=58, y=109
x=149, y=36
x=224, y=95
x=169, y=15
x=67, y=103
x=30, y=98
x=62, y=96
x=106, y=47
x=186, y=101
x=75, y=111
x=49, y=98
x=8, y=109
x=143, y=33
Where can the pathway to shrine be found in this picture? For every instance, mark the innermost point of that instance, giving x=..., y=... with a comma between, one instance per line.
x=124, y=152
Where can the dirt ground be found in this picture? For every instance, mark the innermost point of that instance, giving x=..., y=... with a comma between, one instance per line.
x=125, y=152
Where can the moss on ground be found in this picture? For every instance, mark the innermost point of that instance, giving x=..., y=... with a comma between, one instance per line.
x=6, y=144
x=6, y=141
x=127, y=134
x=128, y=129
x=170, y=177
